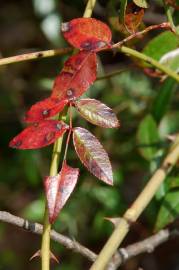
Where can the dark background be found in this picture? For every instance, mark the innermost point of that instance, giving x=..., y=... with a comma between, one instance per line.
x=27, y=26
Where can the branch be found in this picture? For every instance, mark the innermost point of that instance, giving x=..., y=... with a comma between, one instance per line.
x=132, y=214
x=33, y=56
x=123, y=254
x=38, y=229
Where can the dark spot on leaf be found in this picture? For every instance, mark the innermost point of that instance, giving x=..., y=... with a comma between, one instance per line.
x=59, y=126
x=70, y=93
x=49, y=136
x=87, y=45
x=17, y=144
x=65, y=27
x=45, y=112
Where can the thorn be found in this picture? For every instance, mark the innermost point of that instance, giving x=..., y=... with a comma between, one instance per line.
x=114, y=221
x=171, y=137
x=38, y=254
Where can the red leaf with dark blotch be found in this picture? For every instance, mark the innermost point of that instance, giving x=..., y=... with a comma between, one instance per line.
x=78, y=74
x=45, y=109
x=133, y=17
x=39, y=134
x=58, y=189
x=87, y=33
x=92, y=154
x=97, y=113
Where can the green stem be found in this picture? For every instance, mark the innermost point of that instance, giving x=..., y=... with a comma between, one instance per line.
x=169, y=11
x=45, y=247
x=133, y=212
x=151, y=61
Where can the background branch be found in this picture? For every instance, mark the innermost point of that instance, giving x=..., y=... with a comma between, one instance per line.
x=148, y=245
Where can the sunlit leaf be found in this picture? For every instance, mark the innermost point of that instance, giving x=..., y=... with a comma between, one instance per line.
x=97, y=113
x=58, y=189
x=171, y=60
x=45, y=109
x=86, y=33
x=141, y=3
x=161, y=44
x=78, y=73
x=147, y=137
x=92, y=154
x=39, y=134
x=133, y=17
x=169, y=209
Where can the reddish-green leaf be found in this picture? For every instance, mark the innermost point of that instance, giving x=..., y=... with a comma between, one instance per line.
x=97, y=113
x=45, y=109
x=58, y=189
x=39, y=134
x=78, y=74
x=87, y=33
x=133, y=17
x=92, y=154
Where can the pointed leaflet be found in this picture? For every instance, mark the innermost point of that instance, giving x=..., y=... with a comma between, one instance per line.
x=78, y=74
x=87, y=33
x=97, y=113
x=39, y=134
x=58, y=189
x=92, y=154
x=45, y=109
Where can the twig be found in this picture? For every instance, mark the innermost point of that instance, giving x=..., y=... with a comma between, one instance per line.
x=132, y=214
x=38, y=229
x=33, y=56
x=123, y=254
x=111, y=74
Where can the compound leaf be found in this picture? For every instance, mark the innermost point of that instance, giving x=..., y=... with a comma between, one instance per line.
x=39, y=134
x=87, y=33
x=92, y=154
x=45, y=109
x=58, y=189
x=97, y=113
x=78, y=73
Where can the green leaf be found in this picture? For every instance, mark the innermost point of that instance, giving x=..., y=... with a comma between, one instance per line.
x=147, y=137
x=169, y=210
x=163, y=98
x=169, y=124
x=141, y=3
x=161, y=44
x=171, y=60
x=123, y=10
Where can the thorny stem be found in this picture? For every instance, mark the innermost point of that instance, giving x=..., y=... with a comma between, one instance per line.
x=45, y=247
x=168, y=11
x=132, y=214
x=69, y=133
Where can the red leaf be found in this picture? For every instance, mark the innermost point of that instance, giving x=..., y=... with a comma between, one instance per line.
x=58, y=189
x=78, y=74
x=133, y=17
x=45, y=109
x=39, y=134
x=97, y=113
x=92, y=154
x=87, y=33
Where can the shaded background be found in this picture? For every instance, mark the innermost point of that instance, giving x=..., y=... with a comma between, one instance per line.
x=27, y=26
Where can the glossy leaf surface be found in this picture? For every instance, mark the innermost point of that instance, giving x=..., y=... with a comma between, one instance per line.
x=78, y=74
x=92, y=154
x=141, y=3
x=39, y=135
x=58, y=189
x=45, y=109
x=97, y=113
x=87, y=33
